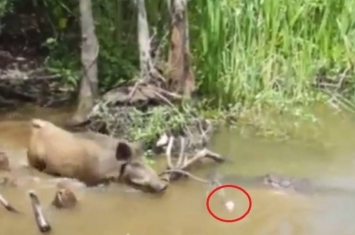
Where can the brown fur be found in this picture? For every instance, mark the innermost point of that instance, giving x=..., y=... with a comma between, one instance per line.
x=89, y=157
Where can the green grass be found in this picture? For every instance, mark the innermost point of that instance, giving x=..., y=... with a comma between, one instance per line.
x=262, y=54
x=255, y=58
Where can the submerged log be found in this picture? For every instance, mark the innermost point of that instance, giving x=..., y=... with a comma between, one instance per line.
x=41, y=220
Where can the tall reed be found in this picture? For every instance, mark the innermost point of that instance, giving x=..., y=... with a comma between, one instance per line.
x=267, y=52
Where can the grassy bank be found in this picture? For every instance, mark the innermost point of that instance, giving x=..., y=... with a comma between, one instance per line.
x=258, y=61
x=268, y=53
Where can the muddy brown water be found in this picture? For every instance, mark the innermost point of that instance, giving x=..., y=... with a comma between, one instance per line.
x=182, y=209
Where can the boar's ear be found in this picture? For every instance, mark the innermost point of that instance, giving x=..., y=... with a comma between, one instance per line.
x=124, y=151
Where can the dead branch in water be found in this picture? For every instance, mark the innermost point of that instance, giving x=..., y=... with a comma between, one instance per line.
x=184, y=162
x=40, y=219
x=7, y=205
x=185, y=173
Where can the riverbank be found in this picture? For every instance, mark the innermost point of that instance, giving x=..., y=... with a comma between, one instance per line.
x=151, y=113
x=148, y=119
x=251, y=76
x=24, y=78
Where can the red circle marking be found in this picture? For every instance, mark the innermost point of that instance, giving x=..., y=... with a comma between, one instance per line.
x=228, y=186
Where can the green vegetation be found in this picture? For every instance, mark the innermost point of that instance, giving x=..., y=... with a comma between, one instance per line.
x=254, y=58
x=267, y=53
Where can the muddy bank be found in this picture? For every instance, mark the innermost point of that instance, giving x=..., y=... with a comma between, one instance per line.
x=38, y=86
x=149, y=114
x=135, y=111
x=145, y=116
x=25, y=76
x=152, y=124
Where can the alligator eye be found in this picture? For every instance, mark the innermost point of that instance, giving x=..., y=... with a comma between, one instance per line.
x=268, y=179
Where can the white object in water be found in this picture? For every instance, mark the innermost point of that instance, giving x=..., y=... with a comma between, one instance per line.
x=229, y=205
x=164, y=139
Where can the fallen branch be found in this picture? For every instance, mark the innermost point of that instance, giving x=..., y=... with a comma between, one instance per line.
x=7, y=205
x=6, y=91
x=40, y=219
x=183, y=163
x=185, y=173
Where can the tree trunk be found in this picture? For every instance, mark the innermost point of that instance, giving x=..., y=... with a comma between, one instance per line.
x=182, y=79
x=89, y=51
x=143, y=40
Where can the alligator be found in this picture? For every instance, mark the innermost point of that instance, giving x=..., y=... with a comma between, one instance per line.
x=287, y=184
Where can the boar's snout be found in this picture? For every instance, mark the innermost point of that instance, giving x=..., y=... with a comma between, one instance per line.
x=141, y=176
x=159, y=187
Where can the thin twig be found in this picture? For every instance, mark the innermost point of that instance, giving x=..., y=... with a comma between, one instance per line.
x=7, y=205
x=181, y=160
x=171, y=94
x=185, y=173
x=164, y=99
x=133, y=91
x=168, y=152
